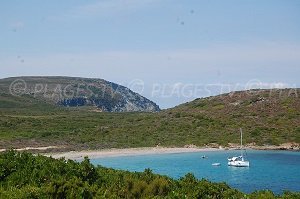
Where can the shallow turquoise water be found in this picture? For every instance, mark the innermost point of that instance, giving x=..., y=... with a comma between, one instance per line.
x=273, y=170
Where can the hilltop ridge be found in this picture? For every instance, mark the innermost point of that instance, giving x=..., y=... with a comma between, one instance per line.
x=99, y=94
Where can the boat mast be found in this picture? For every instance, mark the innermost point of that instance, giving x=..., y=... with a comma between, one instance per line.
x=242, y=144
x=241, y=137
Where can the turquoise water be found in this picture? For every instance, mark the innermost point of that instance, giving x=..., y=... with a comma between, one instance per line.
x=273, y=170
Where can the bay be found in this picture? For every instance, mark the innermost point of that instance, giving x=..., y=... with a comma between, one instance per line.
x=273, y=170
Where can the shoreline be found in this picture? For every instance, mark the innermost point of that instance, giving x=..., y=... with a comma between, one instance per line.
x=63, y=151
x=105, y=153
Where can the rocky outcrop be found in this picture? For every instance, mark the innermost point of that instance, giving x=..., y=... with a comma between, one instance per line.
x=74, y=92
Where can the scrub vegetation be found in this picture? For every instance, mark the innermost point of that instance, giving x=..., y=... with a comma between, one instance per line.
x=268, y=117
x=23, y=175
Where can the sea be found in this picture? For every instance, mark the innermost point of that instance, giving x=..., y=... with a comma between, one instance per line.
x=269, y=170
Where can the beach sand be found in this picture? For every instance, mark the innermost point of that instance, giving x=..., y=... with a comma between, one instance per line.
x=77, y=155
x=145, y=150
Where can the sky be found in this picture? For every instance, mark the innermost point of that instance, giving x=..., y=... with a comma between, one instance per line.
x=170, y=51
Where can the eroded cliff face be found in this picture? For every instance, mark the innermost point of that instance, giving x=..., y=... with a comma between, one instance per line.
x=73, y=92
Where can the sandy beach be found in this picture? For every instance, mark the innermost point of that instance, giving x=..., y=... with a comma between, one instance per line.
x=77, y=155
x=102, y=153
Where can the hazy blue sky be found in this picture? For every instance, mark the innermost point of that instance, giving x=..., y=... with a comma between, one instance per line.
x=179, y=49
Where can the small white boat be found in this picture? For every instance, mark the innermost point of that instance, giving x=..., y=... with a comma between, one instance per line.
x=204, y=157
x=239, y=161
x=216, y=164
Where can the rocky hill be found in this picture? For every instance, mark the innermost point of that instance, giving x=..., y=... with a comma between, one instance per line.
x=76, y=92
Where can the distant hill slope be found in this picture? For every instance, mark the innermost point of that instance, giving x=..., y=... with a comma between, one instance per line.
x=268, y=117
x=73, y=92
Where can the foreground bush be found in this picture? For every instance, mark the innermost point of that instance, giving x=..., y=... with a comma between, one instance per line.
x=23, y=175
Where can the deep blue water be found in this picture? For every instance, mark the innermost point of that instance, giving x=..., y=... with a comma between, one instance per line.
x=273, y=170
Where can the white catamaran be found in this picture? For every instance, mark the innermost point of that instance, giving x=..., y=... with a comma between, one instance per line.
x=239, y=161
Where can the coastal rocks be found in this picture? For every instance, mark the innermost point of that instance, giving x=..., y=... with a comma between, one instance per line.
x=290, y=146
x=191, y=146
x=212, y=145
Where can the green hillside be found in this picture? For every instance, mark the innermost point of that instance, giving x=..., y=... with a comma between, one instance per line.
x=267, y=117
